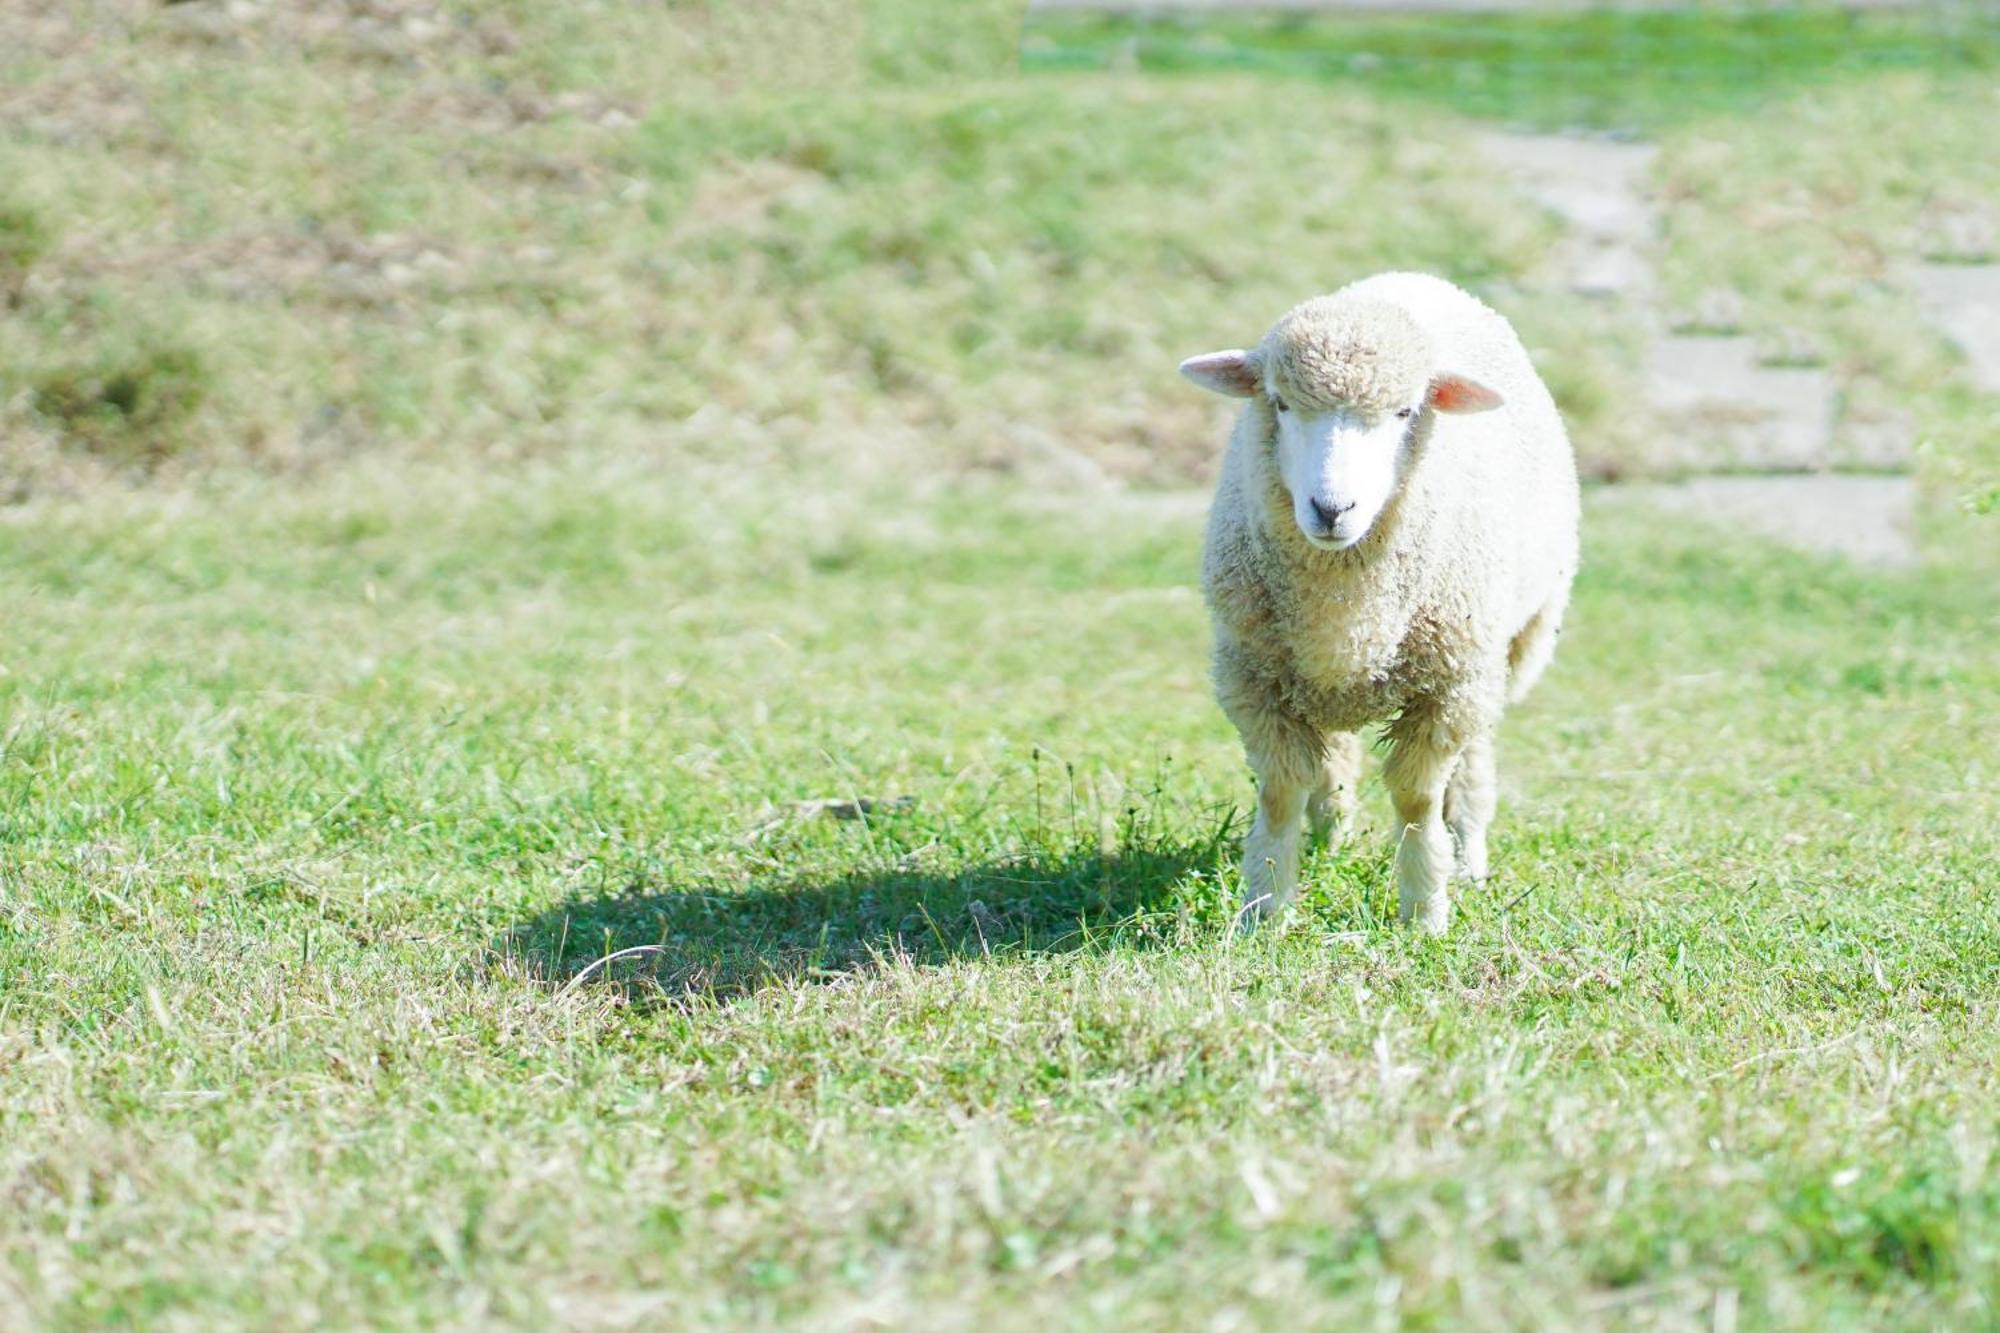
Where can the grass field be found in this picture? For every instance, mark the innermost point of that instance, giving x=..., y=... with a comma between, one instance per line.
x=1626, y=69
x=314, y=804
x=285, y=235
x=473, y=510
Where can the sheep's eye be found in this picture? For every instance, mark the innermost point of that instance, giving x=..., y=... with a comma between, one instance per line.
x=1280, y=403
x=1406, y=414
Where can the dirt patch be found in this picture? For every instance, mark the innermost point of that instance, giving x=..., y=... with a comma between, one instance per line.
x=398, y=32
x=333, y=266
x=739, y=198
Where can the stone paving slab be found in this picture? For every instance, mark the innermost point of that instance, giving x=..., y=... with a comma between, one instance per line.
x=1738, y=412
x=1964, y=301
x=1870, y=519
x=1597, y=186
x=1878, y=440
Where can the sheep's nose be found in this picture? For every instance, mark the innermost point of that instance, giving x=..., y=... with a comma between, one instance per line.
x=1328, y=513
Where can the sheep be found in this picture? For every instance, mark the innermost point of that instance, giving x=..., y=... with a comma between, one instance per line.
x=1392, y=541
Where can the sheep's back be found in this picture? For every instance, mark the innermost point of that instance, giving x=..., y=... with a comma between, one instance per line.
x=1504, y=481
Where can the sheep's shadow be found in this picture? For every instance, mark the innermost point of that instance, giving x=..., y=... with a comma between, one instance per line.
x=673, y=946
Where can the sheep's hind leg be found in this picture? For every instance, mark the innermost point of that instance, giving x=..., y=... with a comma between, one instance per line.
x=1331, y=807
x=1529, y=653
x=1469, y=801
x=1418, y=765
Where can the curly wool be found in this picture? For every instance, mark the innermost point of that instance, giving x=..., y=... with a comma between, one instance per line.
x=1331, y=352
x=1447, y=610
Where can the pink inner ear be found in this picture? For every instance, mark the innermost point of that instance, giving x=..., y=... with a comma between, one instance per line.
x=1456, y=393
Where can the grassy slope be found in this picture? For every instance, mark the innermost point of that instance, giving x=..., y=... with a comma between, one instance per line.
x=228, y=238
x=974, y=273
x=1628, y=70
x=1809, y=156
x=312, y=797
x=303, y=800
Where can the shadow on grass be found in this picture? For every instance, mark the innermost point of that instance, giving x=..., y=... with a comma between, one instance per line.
x=675, y=946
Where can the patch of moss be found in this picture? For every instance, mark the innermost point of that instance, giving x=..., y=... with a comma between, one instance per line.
x=134, y=407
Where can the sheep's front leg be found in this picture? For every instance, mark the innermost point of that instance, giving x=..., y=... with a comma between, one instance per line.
x=1271, y=852
x=1330, y=809
x=1469, y=801
x=1288, y=759
x=1416, y=771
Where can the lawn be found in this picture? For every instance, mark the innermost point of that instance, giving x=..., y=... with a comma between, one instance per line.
x=319, y=809
x=1629, y=69
x=604, y=717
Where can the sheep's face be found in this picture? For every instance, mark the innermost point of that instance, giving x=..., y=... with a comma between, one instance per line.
x=1346, y=391
x=1341, y=467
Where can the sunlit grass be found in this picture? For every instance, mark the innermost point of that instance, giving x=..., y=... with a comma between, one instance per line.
x=581, y=472
x=318, y=811
x=1607, y=68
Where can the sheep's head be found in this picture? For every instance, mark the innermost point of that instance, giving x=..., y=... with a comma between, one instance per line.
x=1347, y=389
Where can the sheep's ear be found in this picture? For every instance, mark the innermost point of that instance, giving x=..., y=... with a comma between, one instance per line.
x=1233, y=374
x=1462, y=393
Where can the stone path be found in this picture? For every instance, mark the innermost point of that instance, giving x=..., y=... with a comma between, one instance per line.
x=1710, y=391
x=1867, y=517
x=1597, y=186
x=1714, y=390
x=1964, y=301
x=1737, y=412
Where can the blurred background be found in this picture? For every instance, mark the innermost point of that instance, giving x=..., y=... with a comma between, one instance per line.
x=970, y=239
x=604, y=713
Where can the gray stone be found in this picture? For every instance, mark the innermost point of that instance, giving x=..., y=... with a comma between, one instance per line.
x=1868, y=519
x=1593, y=183
x=1728, y=411
x=1882, y=440
x=1597, y=187
x=1601, y=269
x=1963, y=300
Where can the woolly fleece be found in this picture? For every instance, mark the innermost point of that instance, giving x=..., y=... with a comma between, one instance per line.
x=1445, y=611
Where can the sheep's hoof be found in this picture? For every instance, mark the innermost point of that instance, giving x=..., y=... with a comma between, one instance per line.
x=1251, y=914
x=1430, y=917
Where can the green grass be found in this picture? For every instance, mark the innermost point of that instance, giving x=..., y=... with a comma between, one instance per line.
x=475, y=491
x=513, y=234
x=1604, y=68
x=1816, y=238
x=964, y=275
x=316, y=810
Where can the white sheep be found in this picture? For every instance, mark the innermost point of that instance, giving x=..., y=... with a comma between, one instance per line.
x=1392, y=541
